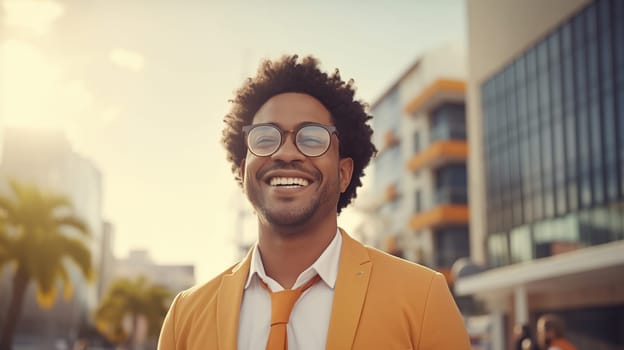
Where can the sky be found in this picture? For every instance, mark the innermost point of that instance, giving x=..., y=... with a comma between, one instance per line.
x=141, y=87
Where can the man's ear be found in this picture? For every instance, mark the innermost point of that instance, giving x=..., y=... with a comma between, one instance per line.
x=345, y=171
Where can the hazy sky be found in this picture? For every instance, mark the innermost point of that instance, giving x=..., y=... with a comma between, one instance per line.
x=141, y=88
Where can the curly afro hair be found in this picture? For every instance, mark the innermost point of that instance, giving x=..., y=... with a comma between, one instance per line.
x=291, y=74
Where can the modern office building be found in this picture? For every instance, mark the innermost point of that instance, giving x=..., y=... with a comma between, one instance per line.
x=45, y=158
x=546, y=165
x=418, y=200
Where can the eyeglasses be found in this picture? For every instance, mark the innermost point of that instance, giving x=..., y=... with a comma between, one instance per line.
x=311, y=139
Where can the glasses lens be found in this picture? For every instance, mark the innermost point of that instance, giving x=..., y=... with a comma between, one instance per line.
x=263, y=140
x=313, y=140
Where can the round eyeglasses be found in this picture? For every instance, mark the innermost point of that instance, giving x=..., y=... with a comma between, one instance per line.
x=312, y=140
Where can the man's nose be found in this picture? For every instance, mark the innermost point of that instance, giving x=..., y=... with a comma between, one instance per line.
x=288, y=152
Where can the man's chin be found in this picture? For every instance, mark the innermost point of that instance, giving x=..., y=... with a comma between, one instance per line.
x=288, y=217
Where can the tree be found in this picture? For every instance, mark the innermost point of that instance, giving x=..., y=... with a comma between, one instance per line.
x=38, y=234
x=134, y=300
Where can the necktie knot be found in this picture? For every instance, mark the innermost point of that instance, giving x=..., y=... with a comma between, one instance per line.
x=282, y=303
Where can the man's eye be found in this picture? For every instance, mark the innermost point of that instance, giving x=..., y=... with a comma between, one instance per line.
x=264, y=141
x=311, y=141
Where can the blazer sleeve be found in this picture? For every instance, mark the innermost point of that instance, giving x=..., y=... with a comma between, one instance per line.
x=167, y=340
x=443, y=326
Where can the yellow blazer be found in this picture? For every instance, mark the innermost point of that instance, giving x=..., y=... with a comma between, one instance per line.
x=380, y=303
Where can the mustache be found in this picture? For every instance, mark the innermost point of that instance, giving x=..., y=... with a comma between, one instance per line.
x=281, y=165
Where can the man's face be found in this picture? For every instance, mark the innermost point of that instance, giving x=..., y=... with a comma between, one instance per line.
x=287, y=188
x=544, y=335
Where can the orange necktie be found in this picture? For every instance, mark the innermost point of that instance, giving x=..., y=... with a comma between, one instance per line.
x=282, y=303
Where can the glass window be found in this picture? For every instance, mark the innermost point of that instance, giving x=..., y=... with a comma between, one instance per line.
x=520, y=244
x=448, y=122
x=451, y=184
x=416, y=142
x=451, y=243
x=418, y=202
x=498, y=249
x=545, y=111
x=556, y=236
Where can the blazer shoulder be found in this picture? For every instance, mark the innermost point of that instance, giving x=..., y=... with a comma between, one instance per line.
x=383, y=261
x=202, y=294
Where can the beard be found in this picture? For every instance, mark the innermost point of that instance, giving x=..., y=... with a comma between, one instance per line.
x=290, y=215
x=298, y=212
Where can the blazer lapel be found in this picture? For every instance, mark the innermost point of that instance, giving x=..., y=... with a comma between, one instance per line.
x=229, y=301
x=349, y=295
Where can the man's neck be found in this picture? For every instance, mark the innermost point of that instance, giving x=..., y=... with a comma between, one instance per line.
x=285, y=255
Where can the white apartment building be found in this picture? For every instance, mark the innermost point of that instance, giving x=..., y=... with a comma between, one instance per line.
x=418, y=198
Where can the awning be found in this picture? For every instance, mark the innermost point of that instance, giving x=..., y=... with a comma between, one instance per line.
x=592, y=266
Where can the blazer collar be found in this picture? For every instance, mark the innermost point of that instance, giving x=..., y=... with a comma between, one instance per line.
x=349, y=294
x=229, y=300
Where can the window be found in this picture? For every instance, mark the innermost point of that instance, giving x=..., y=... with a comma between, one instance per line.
x=448, y=122
x=498, y=249
x=416, y=142
x=418, y=202
x=554, y=125
x=451, y=243
x=451, y=184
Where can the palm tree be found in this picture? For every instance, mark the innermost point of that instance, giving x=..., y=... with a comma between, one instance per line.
x=38, y=233
x=134, y=300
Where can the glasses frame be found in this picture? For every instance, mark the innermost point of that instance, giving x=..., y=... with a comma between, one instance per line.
x=284, y=135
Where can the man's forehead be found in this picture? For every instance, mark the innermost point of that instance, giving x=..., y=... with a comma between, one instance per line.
x=289, y=109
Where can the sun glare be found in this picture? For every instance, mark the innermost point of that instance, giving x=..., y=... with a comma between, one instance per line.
x=33, y=15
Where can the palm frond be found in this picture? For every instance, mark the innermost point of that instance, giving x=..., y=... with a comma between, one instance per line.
x=73, y=223
x=76, y=250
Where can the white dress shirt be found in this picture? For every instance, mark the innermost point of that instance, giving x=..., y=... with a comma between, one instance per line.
x=309, y=320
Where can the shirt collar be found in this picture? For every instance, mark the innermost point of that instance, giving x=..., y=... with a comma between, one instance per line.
x=325, y=266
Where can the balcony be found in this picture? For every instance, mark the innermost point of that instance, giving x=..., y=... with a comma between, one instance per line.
x=439, y=153
x=441, y=90
x=390, y=140
x=446, y=214
x=391, y=194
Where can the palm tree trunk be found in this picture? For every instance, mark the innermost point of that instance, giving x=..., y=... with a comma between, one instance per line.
x=133, y=341
x=20, y=282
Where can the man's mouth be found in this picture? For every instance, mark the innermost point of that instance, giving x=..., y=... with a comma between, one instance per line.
x=288, y=182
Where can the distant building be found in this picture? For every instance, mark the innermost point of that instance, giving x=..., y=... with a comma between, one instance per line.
x=139, y=263
x=107, y=264
x=418, y=201
x=245, y=225
x=546, y=169
x=46, y=158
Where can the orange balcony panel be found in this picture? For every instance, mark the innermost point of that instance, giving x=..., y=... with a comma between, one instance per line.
x=446, y=272
x=391, y=193
x=438, y=153
x=441, y=215
x=390, y=139
x=439, y=90
x=391, y=244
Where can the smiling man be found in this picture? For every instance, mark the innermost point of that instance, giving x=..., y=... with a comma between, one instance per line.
x=299, y=142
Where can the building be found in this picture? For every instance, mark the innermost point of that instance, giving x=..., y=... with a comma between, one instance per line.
x=139, y=263
x=418, y=198
x=546, y=165
x=46, y=158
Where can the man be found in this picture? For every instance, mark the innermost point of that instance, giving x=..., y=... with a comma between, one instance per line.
x=550, y=330
x=298, y=143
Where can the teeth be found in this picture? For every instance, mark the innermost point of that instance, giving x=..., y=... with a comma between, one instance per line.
x=288, y=181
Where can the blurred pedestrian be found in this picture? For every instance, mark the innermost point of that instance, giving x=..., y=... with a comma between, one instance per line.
x=298, y=142
x=550, y=333
x=523, y=338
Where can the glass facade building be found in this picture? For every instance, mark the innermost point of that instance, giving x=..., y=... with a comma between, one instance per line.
x=553, y=140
